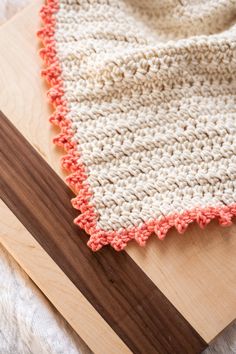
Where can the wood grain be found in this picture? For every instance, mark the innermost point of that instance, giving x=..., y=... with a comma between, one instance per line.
x=58, y=288
x=195, y=271
x=112, y=282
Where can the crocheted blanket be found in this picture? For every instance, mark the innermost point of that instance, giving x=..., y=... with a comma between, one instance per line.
x=145, y=96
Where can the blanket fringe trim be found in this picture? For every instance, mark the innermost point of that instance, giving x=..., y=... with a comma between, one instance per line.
x=77, y=179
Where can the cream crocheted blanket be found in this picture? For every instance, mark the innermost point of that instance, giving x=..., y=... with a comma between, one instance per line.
x=145, y=95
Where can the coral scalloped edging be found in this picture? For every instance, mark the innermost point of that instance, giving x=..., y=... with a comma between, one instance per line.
x=77, y=180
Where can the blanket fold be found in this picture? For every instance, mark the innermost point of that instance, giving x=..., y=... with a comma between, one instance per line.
x=144, y=93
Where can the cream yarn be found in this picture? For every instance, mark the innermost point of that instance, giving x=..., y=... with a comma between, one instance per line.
x=150, y=91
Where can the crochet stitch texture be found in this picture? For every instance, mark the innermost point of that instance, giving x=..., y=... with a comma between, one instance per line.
x=145, y=96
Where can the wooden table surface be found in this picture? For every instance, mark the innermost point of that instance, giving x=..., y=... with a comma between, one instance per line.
x=173, y=296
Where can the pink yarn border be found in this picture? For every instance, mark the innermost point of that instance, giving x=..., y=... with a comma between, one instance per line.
x=77, y=180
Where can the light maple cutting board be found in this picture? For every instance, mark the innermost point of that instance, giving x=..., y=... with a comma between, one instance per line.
x=173, y=296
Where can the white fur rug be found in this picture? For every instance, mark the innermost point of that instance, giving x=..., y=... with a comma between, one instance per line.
x=28, y=323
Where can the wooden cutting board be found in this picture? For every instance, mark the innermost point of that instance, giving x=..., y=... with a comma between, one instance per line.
x=172, y=296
